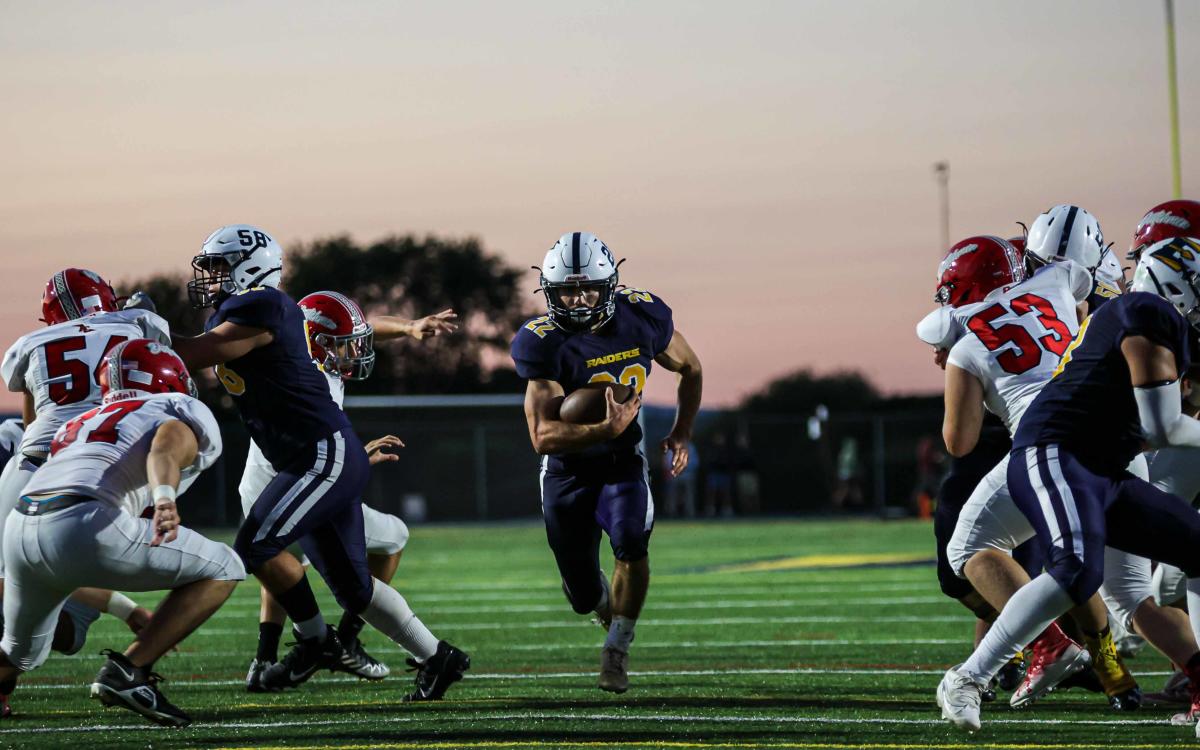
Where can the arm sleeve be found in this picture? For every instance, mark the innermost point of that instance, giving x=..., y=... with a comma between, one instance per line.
x=961, y=356
x=155, y=327
x=13, y=366
x=533, y=359
x=1162, y=418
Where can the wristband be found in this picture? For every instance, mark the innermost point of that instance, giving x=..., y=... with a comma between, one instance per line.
x=164, y=493
x=121, y=606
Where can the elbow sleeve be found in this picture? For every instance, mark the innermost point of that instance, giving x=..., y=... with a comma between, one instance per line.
x=1162, y=418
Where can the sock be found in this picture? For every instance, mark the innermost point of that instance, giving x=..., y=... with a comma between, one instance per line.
x=268, y=641
x=390, y=614
x=620, y=633
x=1030, y=611
x=301, y=606
x=349, y=628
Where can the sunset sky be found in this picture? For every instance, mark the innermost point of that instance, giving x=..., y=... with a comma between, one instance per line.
x=764, y=166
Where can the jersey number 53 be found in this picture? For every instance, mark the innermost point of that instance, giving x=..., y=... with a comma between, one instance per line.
x=1026, y=352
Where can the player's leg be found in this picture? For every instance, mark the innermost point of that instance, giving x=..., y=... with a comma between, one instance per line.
x=625, y=510
x=386, y=536
x=568, y=509
x=1065, y=504
x=256, y=475
x=16, y=474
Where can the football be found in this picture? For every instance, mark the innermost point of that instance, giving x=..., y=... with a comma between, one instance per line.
x=586, y=405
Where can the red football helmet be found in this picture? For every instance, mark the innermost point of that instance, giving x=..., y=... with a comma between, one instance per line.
x=76, y=292
x=1164, y=222
x=146, y=366
x=339, y=336
x=1019, y=244
x=976, y=266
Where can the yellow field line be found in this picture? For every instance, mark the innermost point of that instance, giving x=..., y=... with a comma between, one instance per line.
x=821, y=561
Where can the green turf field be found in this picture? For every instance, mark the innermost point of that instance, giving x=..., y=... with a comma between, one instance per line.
x=777, y=633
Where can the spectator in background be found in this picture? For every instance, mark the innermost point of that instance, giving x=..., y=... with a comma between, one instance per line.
x=680, y=491
x=718, y=484
x=745, y=475
x=931, y=467
x=848, y=494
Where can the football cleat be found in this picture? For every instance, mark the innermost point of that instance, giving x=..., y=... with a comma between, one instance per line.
x=357, y=661
x=119, y=683
x=254, y=676
x=1120, y=687
x=1177, y=689
x=437, y=673
x=958, y=696
x=1190, y=716
x=1054, y=659
x=306, y=657
x=989, y=693
x=1012, y=673
x=614, y=676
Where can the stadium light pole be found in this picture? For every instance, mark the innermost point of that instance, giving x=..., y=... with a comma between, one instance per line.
x=941, y=170
x=1173, y=99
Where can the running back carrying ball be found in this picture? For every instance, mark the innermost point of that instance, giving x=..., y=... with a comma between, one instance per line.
x=586, y=404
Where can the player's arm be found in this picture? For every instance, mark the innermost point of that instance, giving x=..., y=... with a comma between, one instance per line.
x=1154, y=374
x=116, y=604
x=964, y=411
x=679, y=358
x=388, y=327
x=173, y=448
x=28, y=409
x=224, y=343
x=549, y=434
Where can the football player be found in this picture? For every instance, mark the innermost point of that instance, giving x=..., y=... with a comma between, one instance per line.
x=1116, y=388
x=72, y=527
x=255, y=338
x=341, y=341
x=594, y=477
x=1175, y=218
x=1014, y=333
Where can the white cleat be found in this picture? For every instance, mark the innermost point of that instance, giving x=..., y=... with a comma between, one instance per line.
x=958, y=696
x=1047, y=668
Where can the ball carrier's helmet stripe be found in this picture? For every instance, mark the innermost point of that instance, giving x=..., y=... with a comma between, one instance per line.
x=576, y=264
x=1068, y=224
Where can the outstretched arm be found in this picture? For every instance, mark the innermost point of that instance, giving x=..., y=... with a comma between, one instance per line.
x=679, y=357
x=222, y=344
x=173, y=448
x=549, y=434
x=388, y=327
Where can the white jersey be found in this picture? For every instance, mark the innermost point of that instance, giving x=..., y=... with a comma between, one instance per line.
x=58, y=365
x=11, y=431
x=337, y=389
x=102, y=453
x=1014, y=338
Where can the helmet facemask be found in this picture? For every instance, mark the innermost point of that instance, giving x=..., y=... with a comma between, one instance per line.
x=209, y=271
x=583, y=317
x=352, y=356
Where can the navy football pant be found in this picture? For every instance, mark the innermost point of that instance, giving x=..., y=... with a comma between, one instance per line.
x=580, y=498
x=314, y=500
x=1076, y=512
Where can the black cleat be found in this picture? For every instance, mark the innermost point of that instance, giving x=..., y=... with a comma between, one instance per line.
x=254, y=676
x=1128, y=700
x=121, y=684
x=357, y=661
x=988, y=694
x=1011, y=675
x=303, y=661
x=1084, y=679
x=438, y=673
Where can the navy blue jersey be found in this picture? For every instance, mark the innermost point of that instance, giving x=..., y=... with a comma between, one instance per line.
x=1088, y=406
x=620, y=352
x=283, y=397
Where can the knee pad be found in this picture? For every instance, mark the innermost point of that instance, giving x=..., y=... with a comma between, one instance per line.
x=80, y=618
x=28, y=656
x=386, y=534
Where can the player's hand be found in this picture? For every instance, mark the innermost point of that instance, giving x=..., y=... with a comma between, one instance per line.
x=940, y=356
x=140, y=301
x=138, y=619
x=677, y=444
x=377, y=449
x=617, y=415
x=165, y=523
x=431, y=325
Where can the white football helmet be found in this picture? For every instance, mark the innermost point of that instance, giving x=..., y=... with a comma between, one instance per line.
x=580, y=261
x=1171, y=269
x=236, y=257
x=1065, y=232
